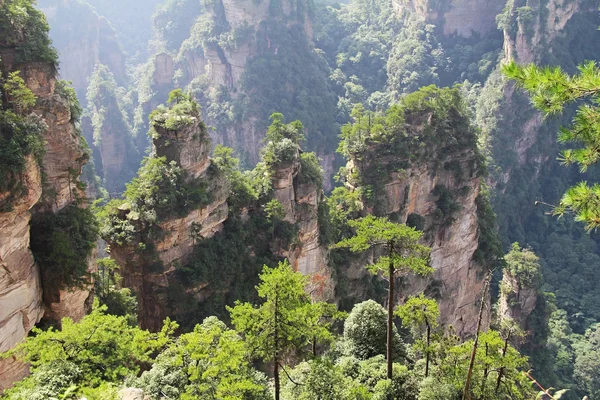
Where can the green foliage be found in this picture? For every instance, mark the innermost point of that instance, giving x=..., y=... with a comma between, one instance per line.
x=285, y=322
x=61, y=244
x=291, y=80
x=18, y=94
x=160, y=190
x=419, y=312
x=100, y=348
x=447, y=206
x=183, y=111
x=310, y=170
x=282, y=141
x=65, y=90
x=523, y=265
x=551, y=90
x=104, y=99
x=365, y=332
x=174, y=19
x=20, y=139
x=26, y=31
x=399, y=241
x=587, y=362
x=490, y=357
x=489, y=249
x=231, y=261
x=118, y=300
x=210, y=362
x=287, y=304
x=242, y=190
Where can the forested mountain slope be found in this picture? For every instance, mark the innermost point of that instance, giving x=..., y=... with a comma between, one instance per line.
x=297, y=89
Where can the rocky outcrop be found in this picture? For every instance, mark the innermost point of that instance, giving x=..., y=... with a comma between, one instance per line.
x=532, y=25
x=211, y=62
x=21, y=305
x=517, y=301
x=457, y=17
x=21, y=294
x=541, y=33
x=429, y=176
x=458, y=280
x=301, y=201
x=150, y=275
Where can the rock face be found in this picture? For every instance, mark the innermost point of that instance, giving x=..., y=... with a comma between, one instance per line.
x=436, y=191
x=517, y=302
x=84, y=39
x=457, y=17
x=533, y=32
x=20, y=286
x=301, y=202
x=151, y=277
x=212, y=68
x=458, y=280
x=21, y=294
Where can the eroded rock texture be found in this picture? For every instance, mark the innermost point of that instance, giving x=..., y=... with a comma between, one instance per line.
x=463, y=18
x=21, y=296
x=151, y=276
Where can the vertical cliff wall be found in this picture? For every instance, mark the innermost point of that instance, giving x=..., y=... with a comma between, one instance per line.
x=242, y=61
x=463, y=18
x=164, y=230
x=45, y=184
x=301, y=198
x=421, y=166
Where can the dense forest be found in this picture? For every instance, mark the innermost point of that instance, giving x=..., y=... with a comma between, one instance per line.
x=299, y=199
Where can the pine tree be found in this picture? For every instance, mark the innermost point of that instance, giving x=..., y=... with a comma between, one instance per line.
x=403, y=254
x=551, y=90
x=284, y=323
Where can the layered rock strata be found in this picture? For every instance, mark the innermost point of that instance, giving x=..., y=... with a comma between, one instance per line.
x=301, y=202
x=151, y=277
x=21, y=295
x=463, y=18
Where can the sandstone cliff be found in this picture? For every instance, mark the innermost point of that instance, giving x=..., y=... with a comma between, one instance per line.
x=542, y=33
x=48, y=187
x=435, y=187
x=301, y=199
x=150, y=257
x=517, y=301
x=228, y=36
x=457, y=17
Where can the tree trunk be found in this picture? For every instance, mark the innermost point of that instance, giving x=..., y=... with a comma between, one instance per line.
x=501, y=372
x=276, y=377
x=486, y=371
x=467, y=392
x=390, y=324
x=276, y=348
x=427, y=349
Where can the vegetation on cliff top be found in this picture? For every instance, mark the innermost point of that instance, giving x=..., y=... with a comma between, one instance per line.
x=25, y=30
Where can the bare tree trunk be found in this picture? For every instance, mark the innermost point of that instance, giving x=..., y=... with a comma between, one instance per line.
x=467, y=392
x=486, y=371
x=390, y=324
x=427, y=349
x=501, y=372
